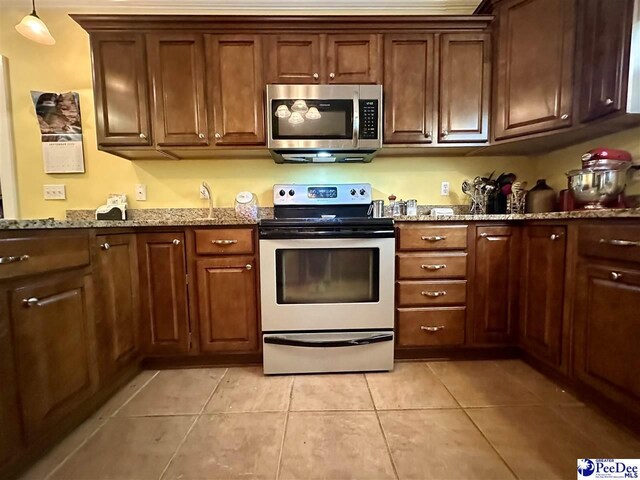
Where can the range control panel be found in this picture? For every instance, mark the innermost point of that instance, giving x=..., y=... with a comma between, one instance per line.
x=369, y=119
x=322, y=194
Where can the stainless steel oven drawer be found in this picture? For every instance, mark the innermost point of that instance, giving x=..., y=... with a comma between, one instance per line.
x=328, y=352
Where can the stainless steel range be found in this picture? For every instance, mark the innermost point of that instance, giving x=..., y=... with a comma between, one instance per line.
x=327, y=290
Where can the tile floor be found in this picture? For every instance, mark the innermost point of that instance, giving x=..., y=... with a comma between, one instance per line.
x=425, y=420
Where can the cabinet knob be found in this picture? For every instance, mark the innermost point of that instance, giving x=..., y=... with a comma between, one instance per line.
x=316, y=76
x=332, y=75
x=608, y=101
x=445, y=133
x=201, y=135
x=248, y=266
x=105, y=246
x=615, y=276
x=564, y=116
x=555, y=236
x=176, y=241
x=143, y=136
x=484, y=234
x=217, y=135
x=427, y=135
x=30, y=302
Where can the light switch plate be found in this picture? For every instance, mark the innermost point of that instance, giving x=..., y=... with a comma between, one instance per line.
x=54, y=192
x=141, y=192
x=444, y=189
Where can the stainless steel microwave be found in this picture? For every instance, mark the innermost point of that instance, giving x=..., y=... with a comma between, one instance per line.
x=324, y=123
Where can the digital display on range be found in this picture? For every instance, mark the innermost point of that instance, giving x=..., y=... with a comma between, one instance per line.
x=322, y=192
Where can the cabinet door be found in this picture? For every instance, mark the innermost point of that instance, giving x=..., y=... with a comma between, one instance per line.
x=10, y=429
x=606, y=331
x=542, y=292
x=465, y=75
x=409, y=88
x=118, y=318
x=533, y=89
x=294, y=59
x=354, y=59
x=237, y=89
x=120, y=89
x=605, y=31
x=495, y=284
x=55, y=363
x=163, y=293
x=176, y=65
x=228, y=304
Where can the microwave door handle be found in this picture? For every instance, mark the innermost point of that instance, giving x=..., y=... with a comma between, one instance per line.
x=356, y=119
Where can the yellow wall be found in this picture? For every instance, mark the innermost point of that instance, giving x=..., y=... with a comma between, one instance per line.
x=66, y=66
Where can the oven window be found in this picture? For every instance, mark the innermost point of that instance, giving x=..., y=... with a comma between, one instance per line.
x=327, y=275
x=312, y=119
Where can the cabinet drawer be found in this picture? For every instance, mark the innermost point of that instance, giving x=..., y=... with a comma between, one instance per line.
x=419, y=327
x=44, y=253
x=432, y=292
x=616, y=242
x=432, y=265
x=224, y=241
x=431, y=237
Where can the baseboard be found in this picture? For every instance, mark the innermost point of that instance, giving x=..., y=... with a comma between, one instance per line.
x=457, y=353
x=187, y=361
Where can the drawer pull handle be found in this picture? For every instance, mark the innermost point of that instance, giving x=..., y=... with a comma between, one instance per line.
x=433, y=267
x=105, y=246
x=615, y=276
x=224, y=242
x=434, y=238
x=431, y=329
x=620, y=243
x=440, y=293
x=555, y=236
x=15, y=259
x=31, y=302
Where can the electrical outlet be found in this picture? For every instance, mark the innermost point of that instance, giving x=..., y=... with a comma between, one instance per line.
x=54, y=192
x=444, y=189
x=204, y=195
x=141, y=192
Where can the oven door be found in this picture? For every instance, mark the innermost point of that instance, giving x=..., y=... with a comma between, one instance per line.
x=327, y=284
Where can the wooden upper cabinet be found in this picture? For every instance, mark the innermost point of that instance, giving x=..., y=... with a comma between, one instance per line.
x=465, y=76
x=55, y=362
x=120, y=89
x=354, y=59
x=542, y=292
x=294, y=58
x=495, y=285
x=604, y=42
x=236, y=86
x=163, y=293
x=409, y=88
x=228, y=304
x=176, y=66
x=534, y=73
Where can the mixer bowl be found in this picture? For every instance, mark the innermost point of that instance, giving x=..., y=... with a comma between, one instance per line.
x=596, y=188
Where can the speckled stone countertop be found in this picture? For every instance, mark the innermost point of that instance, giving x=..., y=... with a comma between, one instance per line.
x=195, y=217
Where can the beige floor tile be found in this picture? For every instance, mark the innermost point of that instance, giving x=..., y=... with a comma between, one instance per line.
x=334, y=445
x=127, y=448
x=537, y=383
x=174, y=392
x=330, y=392
x=479, y=384
x=535, y=442
x=409, y=385
x=249, y=390
x=124, y=395
x=228, y=446
x=615, y=440
x=440, y=444
x=61, y=451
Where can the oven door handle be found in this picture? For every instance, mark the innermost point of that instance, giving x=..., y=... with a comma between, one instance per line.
x=291, y=235
x=356, y=119
x=353, y=342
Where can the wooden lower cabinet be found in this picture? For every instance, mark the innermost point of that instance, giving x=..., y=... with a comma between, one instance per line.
x=542, y=292
x=163, y=293
x=495, y=284
x=228, y=304
x=52, y=323
x=421, y=327
x=117, y=318
x=607, y=329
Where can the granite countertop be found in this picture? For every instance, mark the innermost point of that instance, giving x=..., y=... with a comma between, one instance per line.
x=227, y=216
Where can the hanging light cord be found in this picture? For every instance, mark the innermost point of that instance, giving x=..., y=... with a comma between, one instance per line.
x=33, y=10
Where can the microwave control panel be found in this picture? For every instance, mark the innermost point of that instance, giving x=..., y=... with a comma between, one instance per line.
x=369, y=119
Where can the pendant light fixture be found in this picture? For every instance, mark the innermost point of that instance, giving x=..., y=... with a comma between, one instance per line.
x=34, y=29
